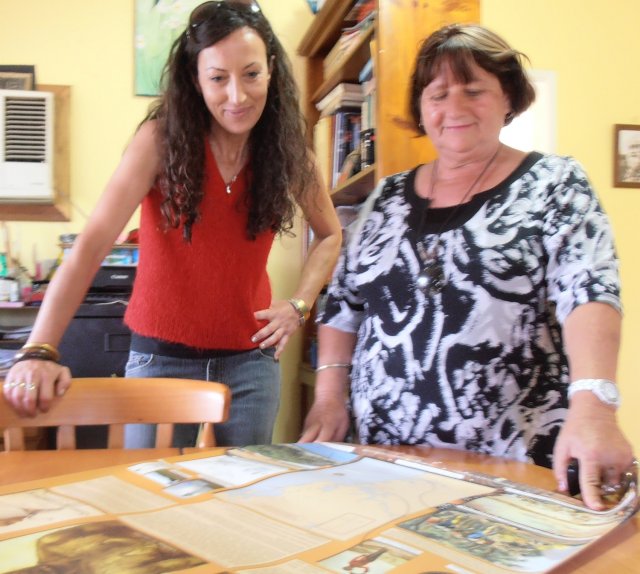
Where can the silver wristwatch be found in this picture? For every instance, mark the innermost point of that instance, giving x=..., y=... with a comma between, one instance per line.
x=604, y=389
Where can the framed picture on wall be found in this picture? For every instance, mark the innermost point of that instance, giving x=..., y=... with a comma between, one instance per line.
x=17, y=78
x=626, y=155
x=158, y=23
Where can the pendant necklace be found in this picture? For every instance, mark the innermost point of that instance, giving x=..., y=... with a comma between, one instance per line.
x=229, y=183
x=232, y=181
x=242, y=157
x=431, y=279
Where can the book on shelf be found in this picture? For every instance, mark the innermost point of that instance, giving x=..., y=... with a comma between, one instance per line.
x=367, y=148
x=341, y=96
x=346, y=138
x=354, y=104
x=349, y=38
x=368, y=124
x=343, y=89
x=335, y=138
x=360, y=10
x=350, y=166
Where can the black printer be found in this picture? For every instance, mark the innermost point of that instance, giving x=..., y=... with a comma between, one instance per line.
x=96, y=343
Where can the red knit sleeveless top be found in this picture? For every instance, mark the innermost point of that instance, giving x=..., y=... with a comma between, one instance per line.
x=202, y=294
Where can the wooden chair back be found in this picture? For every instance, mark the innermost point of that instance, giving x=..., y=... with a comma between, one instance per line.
x=116, y=401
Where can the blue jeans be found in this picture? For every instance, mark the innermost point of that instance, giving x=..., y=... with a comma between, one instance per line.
x=253, y=377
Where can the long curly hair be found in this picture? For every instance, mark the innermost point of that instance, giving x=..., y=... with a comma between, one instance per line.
x=281, y=167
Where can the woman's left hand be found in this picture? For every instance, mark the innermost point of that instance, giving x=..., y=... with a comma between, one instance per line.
x=592, y=436
x=282, y=321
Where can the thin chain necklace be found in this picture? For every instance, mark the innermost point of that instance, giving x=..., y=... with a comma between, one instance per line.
x=431, y=279
x=232, y=181
x=228, y=184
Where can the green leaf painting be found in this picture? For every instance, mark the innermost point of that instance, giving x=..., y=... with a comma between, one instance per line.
x=158, y=23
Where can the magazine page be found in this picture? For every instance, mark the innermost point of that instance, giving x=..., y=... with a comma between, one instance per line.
x=299, y=508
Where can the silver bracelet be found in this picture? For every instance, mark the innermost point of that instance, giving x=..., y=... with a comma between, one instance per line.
x=334, y=366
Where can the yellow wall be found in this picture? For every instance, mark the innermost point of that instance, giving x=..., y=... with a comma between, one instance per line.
x=591, y=45
x=88, y=45
x=593, y=48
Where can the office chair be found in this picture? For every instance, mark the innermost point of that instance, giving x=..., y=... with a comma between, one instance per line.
x=116, y=401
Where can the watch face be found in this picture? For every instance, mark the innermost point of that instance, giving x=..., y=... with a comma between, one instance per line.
x=605, y=390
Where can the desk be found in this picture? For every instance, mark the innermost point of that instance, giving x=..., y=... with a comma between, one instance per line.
x=617, y=553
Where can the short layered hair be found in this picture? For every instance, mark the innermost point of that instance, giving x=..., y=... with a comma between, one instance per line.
x=461, y=45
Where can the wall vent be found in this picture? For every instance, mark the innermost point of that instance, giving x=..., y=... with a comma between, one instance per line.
x=26, y=146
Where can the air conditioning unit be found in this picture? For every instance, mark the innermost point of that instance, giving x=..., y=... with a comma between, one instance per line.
x=26, y=146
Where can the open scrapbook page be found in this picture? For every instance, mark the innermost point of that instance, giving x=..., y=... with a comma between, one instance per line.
x=294, y=508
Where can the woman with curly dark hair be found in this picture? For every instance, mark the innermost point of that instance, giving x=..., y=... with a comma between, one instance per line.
x=220, y=165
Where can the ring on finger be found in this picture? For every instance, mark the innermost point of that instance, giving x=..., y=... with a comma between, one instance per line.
x=609, y=489
x=31, y=387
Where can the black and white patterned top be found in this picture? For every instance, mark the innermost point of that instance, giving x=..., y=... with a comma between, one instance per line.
x=479, y=366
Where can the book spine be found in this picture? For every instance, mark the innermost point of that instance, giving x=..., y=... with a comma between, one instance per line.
x=343, y=141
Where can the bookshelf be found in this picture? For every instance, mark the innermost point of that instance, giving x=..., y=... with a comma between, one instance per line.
x=392, y=42
x=399, y=27
x=356, y=57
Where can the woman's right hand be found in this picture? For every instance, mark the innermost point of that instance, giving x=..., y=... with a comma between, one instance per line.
x=31, y=385
x=328, y=420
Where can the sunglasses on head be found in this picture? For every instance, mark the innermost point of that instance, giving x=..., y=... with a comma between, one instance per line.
x=204, y=11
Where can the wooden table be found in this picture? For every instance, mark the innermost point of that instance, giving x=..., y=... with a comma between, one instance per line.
x=618, y=553
x=26, y=465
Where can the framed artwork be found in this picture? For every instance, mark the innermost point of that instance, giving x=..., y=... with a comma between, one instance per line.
x=626, y=155
x=17, y=78
x=158, y=23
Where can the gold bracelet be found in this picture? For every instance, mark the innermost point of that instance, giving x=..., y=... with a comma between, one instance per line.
x=33, y=354
x=302, y=309
x=334, y=366
x=42, y=348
